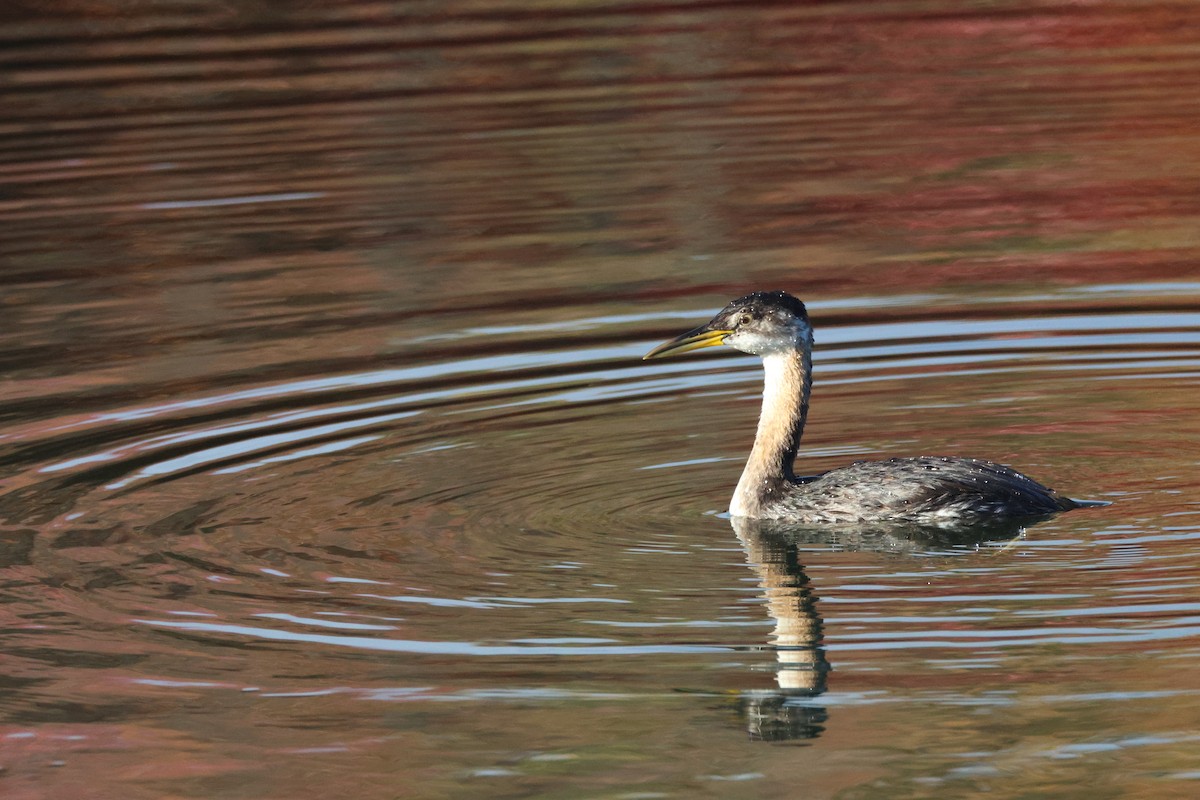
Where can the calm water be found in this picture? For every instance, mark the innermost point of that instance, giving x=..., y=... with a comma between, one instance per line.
x=329, y=464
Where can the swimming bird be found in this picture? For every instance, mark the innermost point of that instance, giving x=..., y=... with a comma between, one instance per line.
x=924, y=489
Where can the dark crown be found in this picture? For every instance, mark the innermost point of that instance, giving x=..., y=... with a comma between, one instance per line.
x=766, y=302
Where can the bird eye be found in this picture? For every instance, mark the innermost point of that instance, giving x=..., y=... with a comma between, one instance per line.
x=744, y=319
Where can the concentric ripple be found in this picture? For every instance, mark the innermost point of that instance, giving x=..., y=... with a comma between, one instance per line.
x=327, y=453
x=582, y=384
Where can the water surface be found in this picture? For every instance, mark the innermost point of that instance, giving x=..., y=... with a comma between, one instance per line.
x=329, y=460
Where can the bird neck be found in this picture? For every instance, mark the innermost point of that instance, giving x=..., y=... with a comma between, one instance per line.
x=769, y=469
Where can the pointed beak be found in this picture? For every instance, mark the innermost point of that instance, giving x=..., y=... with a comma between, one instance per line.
x=694, y=339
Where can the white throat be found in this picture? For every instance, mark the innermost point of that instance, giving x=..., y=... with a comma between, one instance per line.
x=785, y=398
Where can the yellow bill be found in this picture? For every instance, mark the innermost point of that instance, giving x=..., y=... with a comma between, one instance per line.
x=692, y=340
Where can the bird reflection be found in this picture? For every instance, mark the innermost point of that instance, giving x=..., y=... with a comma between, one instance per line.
x=772, y=548
x=776, y=715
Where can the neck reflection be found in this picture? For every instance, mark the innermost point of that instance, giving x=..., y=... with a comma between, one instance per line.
x=773, y=551
x=775, y=715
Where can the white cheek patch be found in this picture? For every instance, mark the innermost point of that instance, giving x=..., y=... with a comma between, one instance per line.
x=749, y=342
x=762, y=345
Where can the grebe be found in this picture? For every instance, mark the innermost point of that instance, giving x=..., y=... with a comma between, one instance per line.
x=925, y=489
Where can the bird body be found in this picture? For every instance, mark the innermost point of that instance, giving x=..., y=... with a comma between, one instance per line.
x=925, y=489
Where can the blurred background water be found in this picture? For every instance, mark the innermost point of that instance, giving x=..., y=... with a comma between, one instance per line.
x=329, y=462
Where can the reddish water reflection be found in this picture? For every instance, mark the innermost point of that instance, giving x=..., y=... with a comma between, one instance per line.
x=328, y=455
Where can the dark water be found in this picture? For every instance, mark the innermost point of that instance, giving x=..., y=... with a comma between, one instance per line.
x=329, y=463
